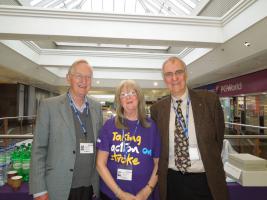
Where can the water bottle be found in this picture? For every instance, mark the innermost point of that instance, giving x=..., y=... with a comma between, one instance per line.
x=16, y=161
x=2, y=156
x=25, y=160
x=29, y=147
x=8, y=156
x=2, y=174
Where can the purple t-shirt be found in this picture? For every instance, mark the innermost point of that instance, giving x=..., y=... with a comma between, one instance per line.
x=142, y=145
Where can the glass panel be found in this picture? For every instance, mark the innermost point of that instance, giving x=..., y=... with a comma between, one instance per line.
x=252, y=113
x=263, y=113
x=257, y=147
x=170, y=7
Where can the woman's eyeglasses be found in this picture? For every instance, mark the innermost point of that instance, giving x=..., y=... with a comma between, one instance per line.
x=126, y=94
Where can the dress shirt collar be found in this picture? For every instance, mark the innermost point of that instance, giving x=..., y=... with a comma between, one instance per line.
x=183, y=97
x=83, y=107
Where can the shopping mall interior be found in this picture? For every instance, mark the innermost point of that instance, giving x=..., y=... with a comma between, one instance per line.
x=222, y=43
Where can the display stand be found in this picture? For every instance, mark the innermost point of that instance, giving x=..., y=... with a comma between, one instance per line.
x=238, y=191
x=7, y=193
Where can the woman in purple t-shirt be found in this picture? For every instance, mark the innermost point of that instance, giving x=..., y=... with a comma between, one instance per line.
x=128, y=149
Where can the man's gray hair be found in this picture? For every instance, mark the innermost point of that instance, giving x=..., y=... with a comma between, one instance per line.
x=77, y=62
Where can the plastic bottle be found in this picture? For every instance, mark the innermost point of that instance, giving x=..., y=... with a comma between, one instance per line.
x=2, y=156
x=25, y=159
x=8, y=156
x=16, y=161
x=2, y=174
x=29, y=147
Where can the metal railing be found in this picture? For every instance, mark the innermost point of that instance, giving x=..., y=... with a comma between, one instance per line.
x=17, y=125
x=240, y=138
x=20, y=119
x=245, y=136
x=25, y=136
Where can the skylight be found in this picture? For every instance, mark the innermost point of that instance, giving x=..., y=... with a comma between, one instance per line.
x=152, y=7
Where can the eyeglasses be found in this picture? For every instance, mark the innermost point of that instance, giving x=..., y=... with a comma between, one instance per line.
x=178, y=72
x=81, y=77
x=126, y=94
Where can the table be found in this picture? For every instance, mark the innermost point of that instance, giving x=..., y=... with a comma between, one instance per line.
x=236, y=191
x=7, y=193
x=239, y=192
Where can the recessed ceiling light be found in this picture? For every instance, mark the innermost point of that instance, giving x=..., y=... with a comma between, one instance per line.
x=155, y=83
x=97, y=82
x=247, y=44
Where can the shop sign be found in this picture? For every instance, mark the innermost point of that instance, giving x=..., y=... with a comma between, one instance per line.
x=229, y=87
x=250, y=83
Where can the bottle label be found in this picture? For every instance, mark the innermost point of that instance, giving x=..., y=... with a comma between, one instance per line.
x=16, y=165
x=2, y=182
x=25, y=165
x=2, y=159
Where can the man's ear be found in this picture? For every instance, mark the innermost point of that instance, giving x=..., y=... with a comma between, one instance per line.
x=186, y=76
x=68, y=78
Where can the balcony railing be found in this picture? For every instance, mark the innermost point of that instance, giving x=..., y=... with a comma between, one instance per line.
x=20, y=127
x=253, y=141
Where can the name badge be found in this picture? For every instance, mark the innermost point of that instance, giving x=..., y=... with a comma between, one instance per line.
x=87, y=148
x=124, y=174
x=193, y=152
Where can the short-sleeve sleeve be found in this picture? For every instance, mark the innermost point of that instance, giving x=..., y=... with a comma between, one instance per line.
x=103, y=140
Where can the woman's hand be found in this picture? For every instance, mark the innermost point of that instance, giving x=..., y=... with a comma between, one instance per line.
x=144, y=193
x=125, y=196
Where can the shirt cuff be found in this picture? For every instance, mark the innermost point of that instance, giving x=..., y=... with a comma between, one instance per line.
x=39, y=194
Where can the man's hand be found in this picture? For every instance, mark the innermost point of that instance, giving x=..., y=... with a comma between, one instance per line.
x=42, y=197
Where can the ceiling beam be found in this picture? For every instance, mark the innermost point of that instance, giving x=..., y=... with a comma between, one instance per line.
x=25, y=23
x=20, y=23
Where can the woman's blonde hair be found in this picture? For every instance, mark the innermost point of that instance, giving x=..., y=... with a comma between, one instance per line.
x=130, y=85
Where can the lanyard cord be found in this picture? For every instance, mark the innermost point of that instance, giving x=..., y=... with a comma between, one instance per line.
x=184, y=126
x=77, y=113
x=123, y=134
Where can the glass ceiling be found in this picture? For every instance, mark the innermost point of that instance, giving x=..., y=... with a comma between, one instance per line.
x=138, y=7
x=149, y=7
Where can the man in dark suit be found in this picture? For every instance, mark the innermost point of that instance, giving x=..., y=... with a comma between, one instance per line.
x=64, y=151
x=192, y=169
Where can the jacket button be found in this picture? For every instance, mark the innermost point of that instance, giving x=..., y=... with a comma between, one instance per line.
x=71, y=170
x=73, y=152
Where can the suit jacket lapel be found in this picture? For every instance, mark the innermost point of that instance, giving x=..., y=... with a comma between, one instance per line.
x=165, y=121
x=93, y=115
x=67, y=115
x=166, y=115
x=197, y=108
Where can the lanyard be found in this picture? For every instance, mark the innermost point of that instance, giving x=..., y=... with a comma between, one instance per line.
x=77, y=113
x=184, y=126
x=123, y=134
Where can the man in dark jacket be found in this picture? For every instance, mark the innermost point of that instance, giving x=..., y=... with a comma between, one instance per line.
x=191, y=169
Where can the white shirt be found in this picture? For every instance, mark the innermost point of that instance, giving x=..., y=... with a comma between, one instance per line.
x=83, y=107
x=196, y=165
